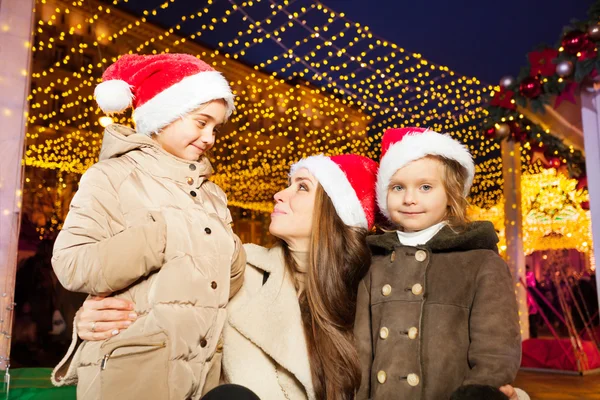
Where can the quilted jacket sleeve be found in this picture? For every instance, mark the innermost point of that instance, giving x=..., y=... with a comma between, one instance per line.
x=96, y=252
x=238, y=267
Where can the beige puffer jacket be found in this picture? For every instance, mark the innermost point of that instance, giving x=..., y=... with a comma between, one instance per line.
x=150, y=228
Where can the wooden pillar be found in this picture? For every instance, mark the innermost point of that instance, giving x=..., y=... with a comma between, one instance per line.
x=16, y=27
x=513, y=225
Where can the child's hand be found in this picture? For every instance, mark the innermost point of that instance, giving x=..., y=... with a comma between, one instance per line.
x=103, y=317
x=510, y=392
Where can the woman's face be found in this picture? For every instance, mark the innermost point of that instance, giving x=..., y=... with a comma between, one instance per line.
x=291, y=219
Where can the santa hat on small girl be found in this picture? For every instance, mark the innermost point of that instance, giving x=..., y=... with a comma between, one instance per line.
x=349, y=181
x=160, y=88
x=401, y=146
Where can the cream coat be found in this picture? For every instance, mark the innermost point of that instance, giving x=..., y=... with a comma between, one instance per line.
x=264, y=343
x=150, y=228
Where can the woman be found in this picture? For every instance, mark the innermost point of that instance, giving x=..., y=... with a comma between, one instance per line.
x=289, y=329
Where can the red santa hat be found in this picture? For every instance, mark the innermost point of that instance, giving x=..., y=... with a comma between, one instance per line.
x=349, y=181
x=160, y=88
x=401, y=146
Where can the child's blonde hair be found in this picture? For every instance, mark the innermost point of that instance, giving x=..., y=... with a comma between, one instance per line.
x=454, y=178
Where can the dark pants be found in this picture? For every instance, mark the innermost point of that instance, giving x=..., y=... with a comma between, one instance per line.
x=533, y=325
x=230, y=392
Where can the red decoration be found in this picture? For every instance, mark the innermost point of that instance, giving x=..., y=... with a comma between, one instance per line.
x=490, y=132
x=585, y=205
x=554, y=162
x=582, y=183
x=567, y=95
x=541, y=62
x=530, y=87
x=516, y=133
x=589, y=51
x=503, y=99
x=574, y=42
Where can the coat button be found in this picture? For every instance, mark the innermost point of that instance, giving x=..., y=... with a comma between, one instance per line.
x=381, y=377
x=393, y=256
x=384, y=333
x=386, y=290
x=413, y=333
x=193, y=193
x=192, y=167
x=421, y=255
x=413, y=379
x=208, y=231
x=417, y=289
x=213, y=284
x=203, y=343
x=189, y=180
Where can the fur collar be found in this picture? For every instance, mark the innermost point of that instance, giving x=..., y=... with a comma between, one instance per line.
x=478, y=235
x=270, y=316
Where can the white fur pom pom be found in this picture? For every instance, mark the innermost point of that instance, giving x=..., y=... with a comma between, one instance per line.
x=113, y=96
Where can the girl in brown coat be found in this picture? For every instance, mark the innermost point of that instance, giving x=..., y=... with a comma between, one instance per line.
x=147, y=226
x=437, y=309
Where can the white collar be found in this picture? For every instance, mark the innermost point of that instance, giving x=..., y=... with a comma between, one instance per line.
x=420, y=237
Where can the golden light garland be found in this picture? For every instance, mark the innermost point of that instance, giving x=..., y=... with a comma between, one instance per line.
x=552, y=214
x=377, y=84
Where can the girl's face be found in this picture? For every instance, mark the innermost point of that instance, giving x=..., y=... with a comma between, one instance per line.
x=416, y=196
x=292, y=217
x=192, y=135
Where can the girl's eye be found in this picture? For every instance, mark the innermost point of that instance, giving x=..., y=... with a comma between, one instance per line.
x=426, y=188
x=396, y=188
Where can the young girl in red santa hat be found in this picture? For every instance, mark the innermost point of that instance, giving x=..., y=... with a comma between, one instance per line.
x=437, y=310
x=146, y=225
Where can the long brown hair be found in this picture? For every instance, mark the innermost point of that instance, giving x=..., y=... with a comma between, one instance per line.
x=339, y=259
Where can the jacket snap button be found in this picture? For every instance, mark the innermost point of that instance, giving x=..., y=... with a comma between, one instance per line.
x=193, y=193
x=384, y=333
x=192, y=167
x=207, y=230
x=413, y=379
x=203, y=342
x=189, y=180
x=386, y=290
x=413, y=333
x=381, y=377
x=421, y=255
x=417, y=289
x=213, y=284
x=393, y=256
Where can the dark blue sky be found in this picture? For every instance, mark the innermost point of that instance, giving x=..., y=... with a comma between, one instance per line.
x=482, y=38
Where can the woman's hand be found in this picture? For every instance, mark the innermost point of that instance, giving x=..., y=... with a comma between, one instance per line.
x=510, y=392
x=103, y=317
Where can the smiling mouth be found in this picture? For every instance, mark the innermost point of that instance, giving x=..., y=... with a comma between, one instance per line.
x=411, y=213
x=199, y=148
x=278, y=212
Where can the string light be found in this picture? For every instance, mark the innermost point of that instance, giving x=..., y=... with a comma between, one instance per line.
x=353, y=86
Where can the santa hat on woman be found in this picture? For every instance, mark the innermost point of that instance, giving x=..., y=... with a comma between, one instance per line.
x=401, y=146
x=349, y=181
x=160, y=88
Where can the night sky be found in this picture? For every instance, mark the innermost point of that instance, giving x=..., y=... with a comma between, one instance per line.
x=482, y=38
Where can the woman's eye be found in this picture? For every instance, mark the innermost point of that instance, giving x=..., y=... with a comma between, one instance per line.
x=303, y=187
x=201, y=124
x=426, y=188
